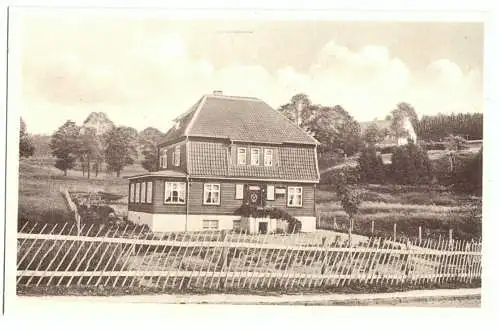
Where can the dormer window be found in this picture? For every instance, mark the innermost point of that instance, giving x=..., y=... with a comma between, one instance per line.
x=268, y=157
x=242, y=156
x=163, y=159
x=255, y=157
x=177, y=156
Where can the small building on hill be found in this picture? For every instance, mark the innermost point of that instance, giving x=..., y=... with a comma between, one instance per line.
x=223, y=151
x=389, y=137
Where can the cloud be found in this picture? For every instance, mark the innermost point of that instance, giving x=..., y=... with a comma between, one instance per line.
x=148, y=79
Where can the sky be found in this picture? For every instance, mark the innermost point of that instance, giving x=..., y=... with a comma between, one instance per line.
x=146, y=71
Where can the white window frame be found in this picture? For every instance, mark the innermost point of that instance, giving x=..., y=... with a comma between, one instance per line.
x=239, y=191
x=253, y=161
x=163, y=159
x=268, y=157
x=143, y=192
x=208, y=188
x=149, y=192
x=180, y=187
x=137, y=192
x=177, y=156
x=239, y=160
x=270, y=192
x=131, y=192
x=211, y=224
x=299, y=191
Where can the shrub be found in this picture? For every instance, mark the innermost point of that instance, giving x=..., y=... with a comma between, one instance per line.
x=371, y=166
x=411, y=165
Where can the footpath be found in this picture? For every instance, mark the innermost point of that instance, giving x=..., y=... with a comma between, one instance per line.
x=416, y=296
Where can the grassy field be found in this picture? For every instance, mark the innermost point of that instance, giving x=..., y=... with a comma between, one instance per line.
x=434, y=209
x=39, y=184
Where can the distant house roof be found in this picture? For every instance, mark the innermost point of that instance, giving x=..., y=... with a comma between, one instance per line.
x=239, y=119
x=381, y=124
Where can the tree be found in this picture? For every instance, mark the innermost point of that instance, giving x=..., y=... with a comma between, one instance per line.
x=350, y=200
x=453, y=144
x=120, y=148
x=65, y=146
x=373, y=134
x=88, y=148
x=26, y=147
x=333, y=126
x=403, y=111
x=469, y=178
x=298, y=110
x=148, y=140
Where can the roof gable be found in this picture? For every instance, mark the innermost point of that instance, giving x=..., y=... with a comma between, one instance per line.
x=239, y=119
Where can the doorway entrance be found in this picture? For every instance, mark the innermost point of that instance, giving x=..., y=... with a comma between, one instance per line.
x=262, y=227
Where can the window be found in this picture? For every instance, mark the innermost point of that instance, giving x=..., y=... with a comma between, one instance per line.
x=295, y=196
x=137, y=192
x=270, y=193
x=131, y=193
x=268, y=157
x=242, y=156
x=210, y=224
x=239, y=191
x=163, y=159
x=254, y=157
x=177, y=156
x=149, y=192
x=175, y=192
x=143, y=192
x=211, y=194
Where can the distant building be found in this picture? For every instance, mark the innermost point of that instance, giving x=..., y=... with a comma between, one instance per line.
x=224, y=151
x=389, y=137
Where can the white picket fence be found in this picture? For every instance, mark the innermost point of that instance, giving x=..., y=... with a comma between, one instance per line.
x=131, y=256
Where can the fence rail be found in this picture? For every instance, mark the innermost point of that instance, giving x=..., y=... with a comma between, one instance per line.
x=130, y=256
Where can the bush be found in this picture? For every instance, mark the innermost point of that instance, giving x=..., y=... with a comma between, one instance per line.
x=411, y=165
x=371, y=166
x=340, y=177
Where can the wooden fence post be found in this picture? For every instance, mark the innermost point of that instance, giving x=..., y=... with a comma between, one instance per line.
x=394, y=231
x=450, y=236
x=373, y=227
x=419, y=235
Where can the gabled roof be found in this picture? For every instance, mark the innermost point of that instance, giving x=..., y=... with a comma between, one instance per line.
x=238, y=119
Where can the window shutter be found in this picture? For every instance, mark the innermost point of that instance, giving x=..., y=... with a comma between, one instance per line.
x=239, y=191
x=270, y=193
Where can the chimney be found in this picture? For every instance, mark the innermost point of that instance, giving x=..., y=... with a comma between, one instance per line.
x=217, y=93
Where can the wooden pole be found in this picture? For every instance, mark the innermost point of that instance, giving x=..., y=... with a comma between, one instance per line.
x=394, y=231
x=350, y=232
x=373, y=227
x=419, y=234
x=450, y=237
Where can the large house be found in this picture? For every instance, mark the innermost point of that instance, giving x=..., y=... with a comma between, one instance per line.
x=389, y=138
x=222, y=151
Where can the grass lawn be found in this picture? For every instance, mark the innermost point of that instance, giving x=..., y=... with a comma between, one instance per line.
x=39, y=184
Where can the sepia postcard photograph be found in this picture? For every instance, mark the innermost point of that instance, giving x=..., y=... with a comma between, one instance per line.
x=246, y=158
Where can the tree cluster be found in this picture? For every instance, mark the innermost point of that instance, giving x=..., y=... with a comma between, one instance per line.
x=72, y=143
x=438, y=127
x=410, y=165
x=332, y=126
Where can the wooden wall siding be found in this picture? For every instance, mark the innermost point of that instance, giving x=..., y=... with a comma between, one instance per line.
x=170, y=162
x=159, y=197
x=308, y=197
x=229, y=203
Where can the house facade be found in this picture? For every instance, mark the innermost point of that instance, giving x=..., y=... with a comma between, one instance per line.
x=222, y=152
x=389, y=138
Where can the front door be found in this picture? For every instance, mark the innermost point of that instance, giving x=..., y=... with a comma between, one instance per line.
x=254, y=195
